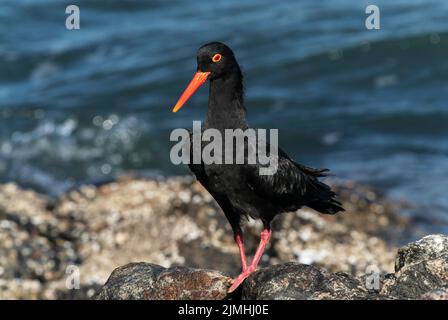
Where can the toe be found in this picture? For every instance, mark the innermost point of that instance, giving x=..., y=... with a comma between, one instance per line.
x=234, y=286
x=239, y=280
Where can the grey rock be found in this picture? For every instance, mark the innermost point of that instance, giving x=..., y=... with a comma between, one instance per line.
x=428, y=248
x=145, y=281
x=299, y=281
x=131, y=281
x=421, y=267
x=414, y=280
x=436, y=294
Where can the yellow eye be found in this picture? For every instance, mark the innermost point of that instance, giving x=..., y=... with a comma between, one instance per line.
x=216, y=58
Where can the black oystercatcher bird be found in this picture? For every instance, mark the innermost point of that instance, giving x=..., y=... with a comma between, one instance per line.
x=239, y=189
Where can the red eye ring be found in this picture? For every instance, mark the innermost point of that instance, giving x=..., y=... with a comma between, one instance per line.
x=216, y=58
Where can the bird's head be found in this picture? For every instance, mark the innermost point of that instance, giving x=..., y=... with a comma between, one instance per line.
x=215, y=60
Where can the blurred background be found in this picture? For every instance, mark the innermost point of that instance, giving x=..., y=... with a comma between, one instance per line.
x=88, y=105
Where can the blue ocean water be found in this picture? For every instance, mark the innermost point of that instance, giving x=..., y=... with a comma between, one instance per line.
x=91, y=104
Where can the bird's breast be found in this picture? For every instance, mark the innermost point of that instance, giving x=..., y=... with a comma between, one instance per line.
x=224, y=178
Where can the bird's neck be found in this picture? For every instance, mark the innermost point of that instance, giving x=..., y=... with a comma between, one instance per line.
x=225, y=103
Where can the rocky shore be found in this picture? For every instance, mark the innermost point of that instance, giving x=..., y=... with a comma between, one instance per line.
x=87, y=233
x=421, y=272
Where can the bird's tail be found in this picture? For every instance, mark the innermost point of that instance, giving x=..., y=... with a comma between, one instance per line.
x=324, y=200
x=314, y=172
x=331, y=206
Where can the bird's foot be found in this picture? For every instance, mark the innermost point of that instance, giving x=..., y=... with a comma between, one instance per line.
x=239, y=280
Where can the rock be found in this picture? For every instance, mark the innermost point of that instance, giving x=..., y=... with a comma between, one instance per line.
x=146, y=281
x=413, y=281
x=36, y=245
x=298, y=281
x=429, y=248
x=131, y=281
x=280, y=282
x=421, y=267
x=436, y=294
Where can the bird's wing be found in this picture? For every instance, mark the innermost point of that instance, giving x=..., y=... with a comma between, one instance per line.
x=293, y=185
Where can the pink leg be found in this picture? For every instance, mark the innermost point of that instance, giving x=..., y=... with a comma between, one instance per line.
x=264, y=239
x=239, y=242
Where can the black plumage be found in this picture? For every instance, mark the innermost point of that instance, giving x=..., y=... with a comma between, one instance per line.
x=239, y=189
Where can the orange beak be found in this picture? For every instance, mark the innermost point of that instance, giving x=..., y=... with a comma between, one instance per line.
x=197, y=81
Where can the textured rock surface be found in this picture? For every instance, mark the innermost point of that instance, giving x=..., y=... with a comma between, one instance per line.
x=146, y=281
x=417, y=279
x=428, y=248
x=299, y=281
x=436, y=294
x=131, y=281
x=422, y=266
